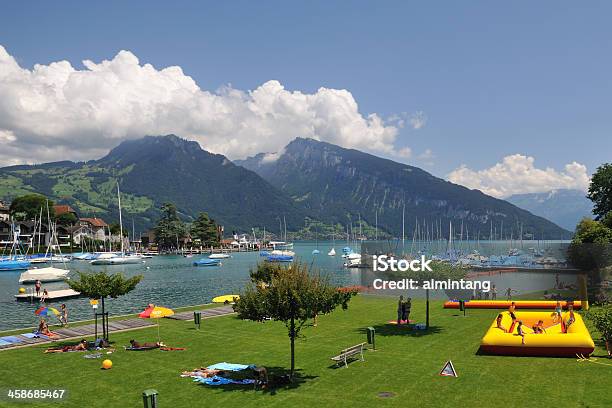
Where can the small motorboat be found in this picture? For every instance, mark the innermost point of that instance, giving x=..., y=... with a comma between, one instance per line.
x=279, y=258
x=207, y=262
x=332, y=252
x=220, y=255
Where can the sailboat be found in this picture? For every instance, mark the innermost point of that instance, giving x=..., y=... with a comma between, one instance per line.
x=14, y=262
x=121, y=259
x=48, y=274
x=332, y=251
x=316, y=251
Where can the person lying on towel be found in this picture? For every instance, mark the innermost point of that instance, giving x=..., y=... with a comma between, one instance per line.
x=83, y=345
x=149, y=345
x=202, y=372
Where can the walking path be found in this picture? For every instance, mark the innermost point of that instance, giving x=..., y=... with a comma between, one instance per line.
x=114, y=326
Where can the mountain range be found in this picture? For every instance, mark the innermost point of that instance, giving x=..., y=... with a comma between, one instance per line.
x=337, y=185
x=308, y=179
x=564, y=207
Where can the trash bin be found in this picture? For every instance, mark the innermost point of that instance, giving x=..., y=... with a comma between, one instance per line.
x=371, y=338
x=197, y=318
x=149, y=397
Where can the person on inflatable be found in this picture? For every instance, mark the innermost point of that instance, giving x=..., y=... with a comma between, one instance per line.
x=511, y=310
x=539, y=327
x=557, y=313
x=499, y=322
x=571, y=319
x=520, y=332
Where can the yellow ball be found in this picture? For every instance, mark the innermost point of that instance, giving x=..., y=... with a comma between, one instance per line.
x=107, y=364
x=22, y=290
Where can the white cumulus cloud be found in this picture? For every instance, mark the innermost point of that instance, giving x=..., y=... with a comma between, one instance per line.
x=517, y=174
x=57, y=112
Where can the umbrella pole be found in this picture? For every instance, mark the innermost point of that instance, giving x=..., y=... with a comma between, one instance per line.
x=158, y=338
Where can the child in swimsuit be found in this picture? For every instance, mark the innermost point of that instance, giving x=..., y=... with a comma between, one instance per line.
x=539, y=327
x=520, y=332
x=499, y=323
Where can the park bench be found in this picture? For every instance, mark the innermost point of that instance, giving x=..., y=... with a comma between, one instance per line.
x=348, y=353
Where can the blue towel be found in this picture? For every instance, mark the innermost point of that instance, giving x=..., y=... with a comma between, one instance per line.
x=4, y=343
x=216, y=380
x=30, y=335
x=229, y=366
x=11, y=339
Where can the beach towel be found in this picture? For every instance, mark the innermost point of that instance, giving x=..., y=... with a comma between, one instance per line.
x=216, y=380
x=4, y=343
x=230, y=366
x=30, y=335
x=172, y=348
x=11, y=339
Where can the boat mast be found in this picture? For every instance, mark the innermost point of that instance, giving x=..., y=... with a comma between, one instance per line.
x=376, y=222
x=120, y=219
x=403, y=224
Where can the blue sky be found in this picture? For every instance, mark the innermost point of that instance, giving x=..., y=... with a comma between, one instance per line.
x=492, y=79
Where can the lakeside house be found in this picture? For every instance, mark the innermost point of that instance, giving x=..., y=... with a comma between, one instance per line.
x=5, y=213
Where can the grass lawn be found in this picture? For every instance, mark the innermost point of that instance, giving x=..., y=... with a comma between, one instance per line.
x=406, y=363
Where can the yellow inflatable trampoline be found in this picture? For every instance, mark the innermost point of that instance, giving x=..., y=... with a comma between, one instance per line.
x=553, y=342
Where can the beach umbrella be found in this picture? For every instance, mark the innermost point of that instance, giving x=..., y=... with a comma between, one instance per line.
x=226, y=299
x=156, y=312
x=44, y=311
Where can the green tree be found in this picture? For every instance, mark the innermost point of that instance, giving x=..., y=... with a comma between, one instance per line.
x=66, y=219
x=205, y=229
x=169, y=228
x=293, y=296
x=28, y=206
x=100, y=285
x=602, y=320
x=600, y=190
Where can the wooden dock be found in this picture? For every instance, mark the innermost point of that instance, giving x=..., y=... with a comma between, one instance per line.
x=115, y=326
x=51, y=296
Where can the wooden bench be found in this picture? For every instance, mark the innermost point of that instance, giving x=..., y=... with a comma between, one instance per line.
x=348, y=353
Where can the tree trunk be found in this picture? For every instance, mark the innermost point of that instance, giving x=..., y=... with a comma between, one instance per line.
x=608, y=348
x=292, y=337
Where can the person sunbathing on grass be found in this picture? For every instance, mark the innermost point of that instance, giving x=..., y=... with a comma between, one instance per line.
x=201, y=372
x=83, y=345
x=538, y=328
x=149, y=345
x=499, y=323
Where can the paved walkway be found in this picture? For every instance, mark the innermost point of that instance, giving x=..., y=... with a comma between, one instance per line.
x=114, y=326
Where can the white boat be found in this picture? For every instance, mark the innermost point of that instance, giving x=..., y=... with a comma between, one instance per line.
x=219, y=256
x=278, y=252
x=108, y=258
x=332, y=252
x=49, y=274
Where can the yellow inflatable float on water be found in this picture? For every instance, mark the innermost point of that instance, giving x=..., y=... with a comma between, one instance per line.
x=553, y=342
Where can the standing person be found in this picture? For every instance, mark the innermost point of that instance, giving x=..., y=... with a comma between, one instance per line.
x=64, y=315
x=494, y=292
x=499, y=322
x=37, y=286
x=401, y=309
x=520, y=332
x=511, y=310
x=509, y=293
x=408, y=306
x=571, y=319
x=557, y=286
